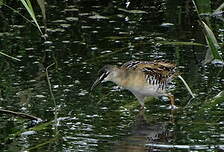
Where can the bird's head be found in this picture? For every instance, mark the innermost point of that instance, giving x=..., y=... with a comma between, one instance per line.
x=107, y=73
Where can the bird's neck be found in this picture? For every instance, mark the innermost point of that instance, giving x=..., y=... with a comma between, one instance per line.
x=127, y=78
x=118, y=77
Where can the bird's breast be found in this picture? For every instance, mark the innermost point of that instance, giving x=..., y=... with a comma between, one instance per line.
x=149, y=90
x=136, y=82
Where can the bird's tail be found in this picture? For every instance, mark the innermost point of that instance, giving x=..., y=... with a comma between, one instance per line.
x=186, y=85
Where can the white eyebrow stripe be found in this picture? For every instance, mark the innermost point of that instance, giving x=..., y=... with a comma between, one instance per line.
x=104, y=75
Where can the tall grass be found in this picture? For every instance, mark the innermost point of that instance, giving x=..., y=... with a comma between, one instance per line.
x=28, y=6
x=11, y=57
x=213, y=45
x=219, y=9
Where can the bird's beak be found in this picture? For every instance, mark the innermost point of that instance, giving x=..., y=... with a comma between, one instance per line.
x=96, y=83
x=99, y=80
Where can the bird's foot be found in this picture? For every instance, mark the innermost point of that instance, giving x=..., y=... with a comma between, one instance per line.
x=142, y=108
x=172, y=107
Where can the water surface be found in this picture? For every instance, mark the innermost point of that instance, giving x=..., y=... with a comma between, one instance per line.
x=82, y=37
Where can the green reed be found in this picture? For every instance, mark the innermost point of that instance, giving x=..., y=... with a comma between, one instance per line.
x=213, y=45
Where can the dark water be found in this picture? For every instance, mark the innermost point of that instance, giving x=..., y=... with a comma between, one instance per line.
x=82, y=37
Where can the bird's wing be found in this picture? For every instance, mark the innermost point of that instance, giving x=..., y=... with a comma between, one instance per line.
x=156, y=72
x=155, y=65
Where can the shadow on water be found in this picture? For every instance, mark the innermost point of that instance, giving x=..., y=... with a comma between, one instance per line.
x=85, y=35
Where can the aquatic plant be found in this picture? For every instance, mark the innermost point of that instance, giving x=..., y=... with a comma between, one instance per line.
x=28, y=6
x=213, y=45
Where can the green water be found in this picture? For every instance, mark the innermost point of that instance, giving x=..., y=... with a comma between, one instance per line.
x=82, y=37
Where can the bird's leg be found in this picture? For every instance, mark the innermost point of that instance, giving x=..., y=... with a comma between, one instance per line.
x=142, y=104
x=172, y=101
x=141, y=100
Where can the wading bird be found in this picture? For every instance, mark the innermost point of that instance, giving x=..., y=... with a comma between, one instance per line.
x=142, y=78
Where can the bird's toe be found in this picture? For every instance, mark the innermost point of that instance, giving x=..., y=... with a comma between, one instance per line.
x=172, y=107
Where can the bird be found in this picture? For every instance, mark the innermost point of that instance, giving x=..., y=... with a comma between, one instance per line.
x=141, y=78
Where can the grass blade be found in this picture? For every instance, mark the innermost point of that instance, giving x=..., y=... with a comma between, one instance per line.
x=9, y=56
x=29, y=8
x=180, y=43
x=211, y=41
x=219, y=8
x=41, y=3
x=186, y=85
x=19, y=13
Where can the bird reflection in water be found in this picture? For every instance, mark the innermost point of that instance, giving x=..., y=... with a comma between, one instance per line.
x=143, y=132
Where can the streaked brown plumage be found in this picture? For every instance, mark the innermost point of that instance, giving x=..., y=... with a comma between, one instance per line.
x=142, y=78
